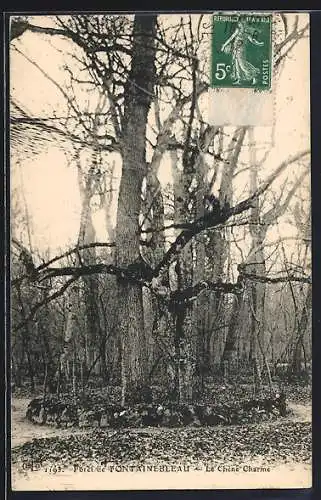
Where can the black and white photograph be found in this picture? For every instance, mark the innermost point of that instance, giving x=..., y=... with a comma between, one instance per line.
x=160, y=251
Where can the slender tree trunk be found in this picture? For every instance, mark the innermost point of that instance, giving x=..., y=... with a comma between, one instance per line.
x=49, y=363
x=230, y=352
x=201, y=306
x=255, y=334
x=30, y=371
x=45, y=383
x=257, y=266
x=295, y=366
x=15, y=371
x=103, y=361
x=91, y=283
x=74, y=377
x=69, y=330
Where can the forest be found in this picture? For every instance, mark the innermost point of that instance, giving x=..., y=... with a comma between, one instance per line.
x=182, y=284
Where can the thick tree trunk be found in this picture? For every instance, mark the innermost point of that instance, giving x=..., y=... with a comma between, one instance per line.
x=184, y=343
x=155, y=321
x=139, y=90
x=184, y=355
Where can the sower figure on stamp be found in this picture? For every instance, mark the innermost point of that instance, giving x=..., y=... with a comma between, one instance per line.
x=242, y=70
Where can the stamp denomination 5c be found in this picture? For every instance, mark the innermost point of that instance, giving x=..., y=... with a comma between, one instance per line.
x=242, y=51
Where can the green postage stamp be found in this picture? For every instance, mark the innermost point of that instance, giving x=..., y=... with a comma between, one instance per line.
x=242, y=51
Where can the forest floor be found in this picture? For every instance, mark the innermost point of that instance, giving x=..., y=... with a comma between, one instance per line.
x=276, y=453
x=23, y=431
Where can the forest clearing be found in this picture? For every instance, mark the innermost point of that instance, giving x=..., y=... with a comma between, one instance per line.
x=282, y=446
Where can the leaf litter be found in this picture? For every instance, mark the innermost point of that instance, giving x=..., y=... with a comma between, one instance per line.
x=278, y=442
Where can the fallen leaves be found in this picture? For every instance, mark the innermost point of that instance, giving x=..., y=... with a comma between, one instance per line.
x=270, y=443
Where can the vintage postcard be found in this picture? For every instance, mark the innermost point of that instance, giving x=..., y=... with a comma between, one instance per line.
x=160, y=251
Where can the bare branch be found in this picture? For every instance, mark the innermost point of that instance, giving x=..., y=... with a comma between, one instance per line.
x=181, y=298
x=279, y=208
x=220, y=217
x=278, y=279
x=75, y=250
x=46, y=300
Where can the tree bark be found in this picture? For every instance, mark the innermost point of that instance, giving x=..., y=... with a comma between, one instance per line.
x=230, y=348
x=257, y=266
x=138, y=96
x=295, y=367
